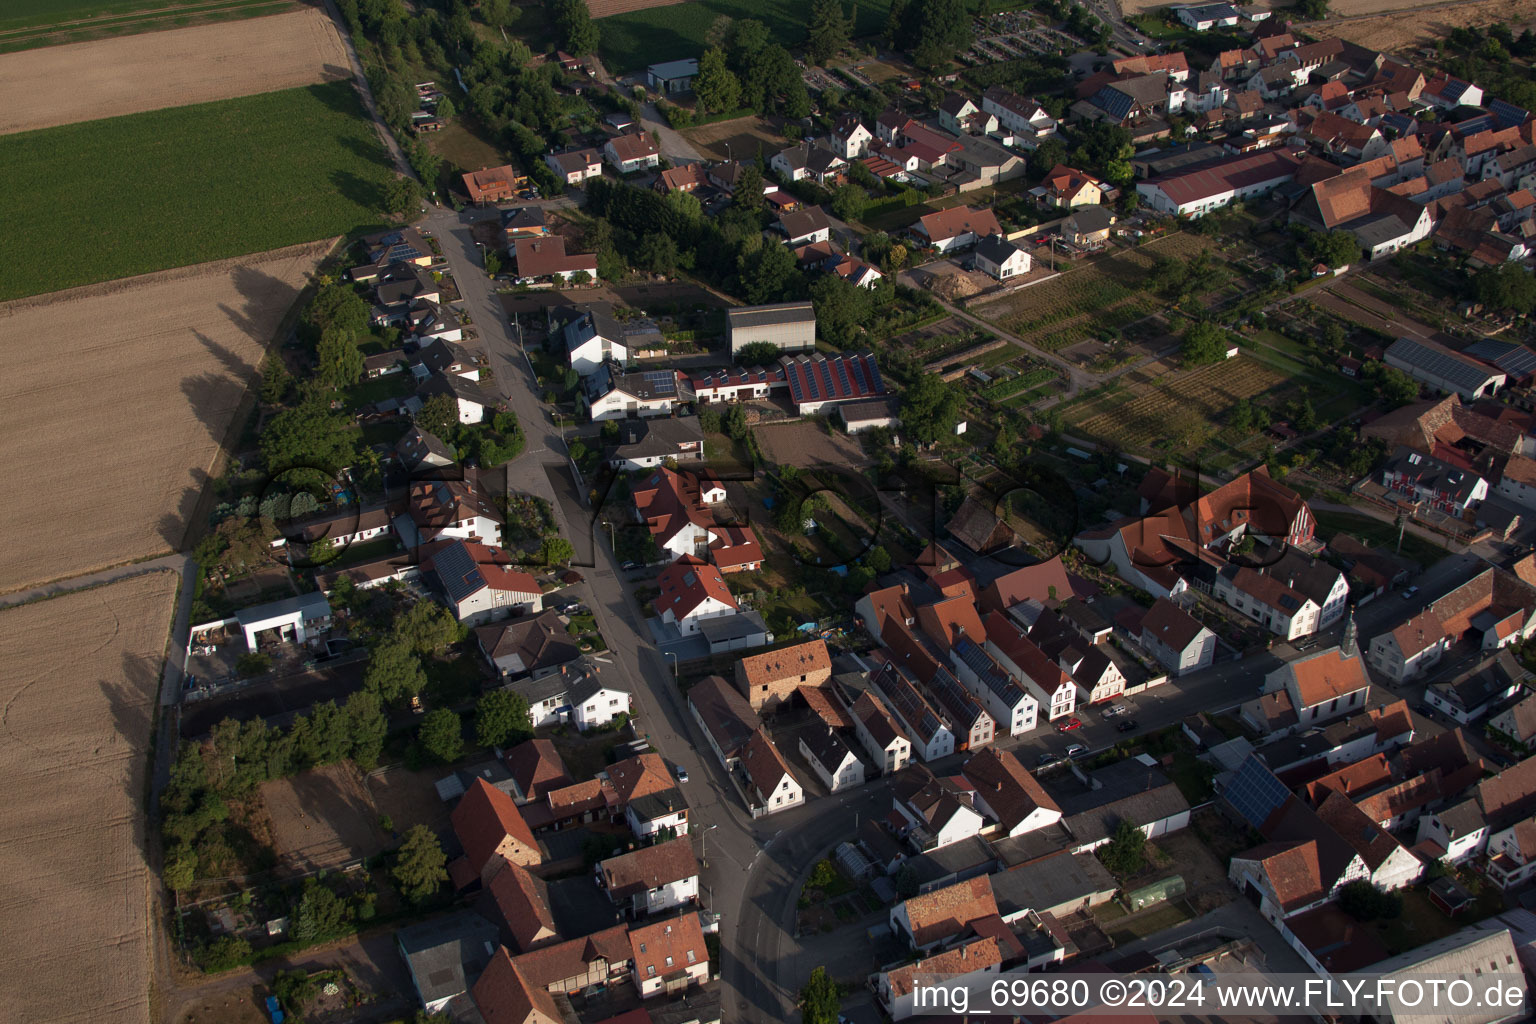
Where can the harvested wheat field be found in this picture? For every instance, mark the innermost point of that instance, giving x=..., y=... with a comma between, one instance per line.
x=1407, y=28
x=117, y=399
x=110, y=77
x=81, y=677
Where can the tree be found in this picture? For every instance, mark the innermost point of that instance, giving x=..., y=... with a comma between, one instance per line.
x=500, y=717
x=1507, y=287
x=758, y=353
x=275, y=379
x=492, y=262
x=222, y=954
x=428, y=628
x=736, y=427
x=657, y=253
x=445, y=108
x=309, y=443
x=942, y=31
x=878, y=559
x=848, y=202
x=930, y=409
x=337, y=305
x=820, y=1002
x=1124, y=854
x=842, y=309
x=1204, y=343
x=829, y=30
x=767, y=270
x=1312, y=10
x=339, y=362
x=1364, y=902
x=442, y=734
x=749, y=188
x=717, y=89
x=319, y=915
x=180, y=870
x=1048, y=154
x=1335, y=249
x=439, y=416
x=497, y=14
x=574, y=20
x=1397, y=387
x=402, y=195
x=419, y=869
x=367, y=727
x=394, y=671
x=556, y=551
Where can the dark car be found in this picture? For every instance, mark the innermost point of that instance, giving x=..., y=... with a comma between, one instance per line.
x=1129, y=725
x=1046, y=760
x=627, y=566
x=1425, y=710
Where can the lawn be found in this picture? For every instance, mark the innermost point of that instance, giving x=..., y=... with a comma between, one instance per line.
x=131, y=195
x=632, y=41
x=1376, y=532
x=376, y=389
x=464, y=146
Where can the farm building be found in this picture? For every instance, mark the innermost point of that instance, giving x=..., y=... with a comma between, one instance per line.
x=1211, y=186
x=788, y=326
x=672, y=76
x=858, y=417
x=818, y=381
x=1439, y=367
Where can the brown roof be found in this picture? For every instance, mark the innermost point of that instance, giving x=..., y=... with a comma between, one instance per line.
x=1255, y=499
x=1327, y=675
x=1006, y=786
x=536, y=768
x=1033, y=582
x=726, y=714
x=763, y=762
x=639, y=776
x=504, y=996
x=945, y=913
x=687, y=177
x=978, y=954
x=490, y=181
x=1357, y=829
x=649, y=867
x=1171, y=625
x=679, y=939
x=804, y=222
x=1419, y=633
x=891, y=602
x=688, y=583
x=1293, y=871
x=950, y=223
x=1509, y=794
x=524, y=904
x=877, y=721
x=550, y=965
x=826, y=706
x=786, y=663
x=633, y=147
x=1351, y=778
x=978, y=527
x=1162, y=490
x=484, y=818
x=946, y=621
x=542, y=257
x=1494, y=591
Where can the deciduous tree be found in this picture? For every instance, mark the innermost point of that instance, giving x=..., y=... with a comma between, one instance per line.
x=501, y=717
x=930, y=409
x=442, y=734
x=820, y=1002
x=394, y=671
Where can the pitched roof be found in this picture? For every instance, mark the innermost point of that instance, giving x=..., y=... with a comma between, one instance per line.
x=978, y=527
x=764, y=764
x=822, y=378
x=877, y=721
x=504, y=995
x=805, y=222
x=485, y=817
x=1217, y=178
x=1293, y=871
x=667, y=947
x=633, y=147
x=1357, y=829
x=649, y=867
x=537, y=641
x=563, y=961
x=1033, y=582
x=544, y=256
x=966, y=958
x=946, y=912
x=945, y=224
x=726, y=715
x=1171, y=625
x=688, y=583
x=639, y=776
x=1005, y=785
x=794, y=662
x=524, y=904
x=946, y=621
x=537, y=768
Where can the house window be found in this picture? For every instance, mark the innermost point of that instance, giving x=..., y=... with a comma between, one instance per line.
x=692, y=957
x=650, y=970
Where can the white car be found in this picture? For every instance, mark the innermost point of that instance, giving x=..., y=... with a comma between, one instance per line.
x=1113, y=710
x=1076, y=750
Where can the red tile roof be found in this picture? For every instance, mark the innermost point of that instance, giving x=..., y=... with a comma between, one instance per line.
x=638, y=776
x=484, y=818
x=946, y=224
x=536, y=767
x=524, y=904
x=945, y=913
x=688, y=583
x=1005, y=785
x=1034, y=582
x=667, y=947
x=504, y=995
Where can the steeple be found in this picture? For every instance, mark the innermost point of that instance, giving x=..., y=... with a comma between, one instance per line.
x=1347, y=646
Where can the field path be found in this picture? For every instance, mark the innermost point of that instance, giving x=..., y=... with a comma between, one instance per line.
x=177, y=67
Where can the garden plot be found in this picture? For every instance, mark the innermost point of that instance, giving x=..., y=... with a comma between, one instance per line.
x=322, y=819
x=82, y=674
x=804, y=444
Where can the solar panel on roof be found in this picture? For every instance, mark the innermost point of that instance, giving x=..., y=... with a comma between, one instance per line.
x=1507, y=114
x=1254, y=792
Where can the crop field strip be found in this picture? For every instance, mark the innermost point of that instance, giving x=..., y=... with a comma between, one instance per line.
x=28, y=24
x=132, y=195
x=1210, y=389
x=1087, y=300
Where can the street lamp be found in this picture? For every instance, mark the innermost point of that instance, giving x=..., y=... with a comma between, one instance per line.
x=704, y=844
x=673, y=656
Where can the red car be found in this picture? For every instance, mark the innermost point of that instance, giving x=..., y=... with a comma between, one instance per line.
x=1069, y=725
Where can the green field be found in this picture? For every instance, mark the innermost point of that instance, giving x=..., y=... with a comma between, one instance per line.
x=25, y=24
x=632, y=41
x=129, y=195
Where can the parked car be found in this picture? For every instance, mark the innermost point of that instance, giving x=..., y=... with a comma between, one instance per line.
x=1425, y=710
x=627, y=566
x=1046, y=760
x=1069, y=725
x=1113, y=710
x=1408, y=594
x=1076, y=750
x=682, y=773
x=1129, y=725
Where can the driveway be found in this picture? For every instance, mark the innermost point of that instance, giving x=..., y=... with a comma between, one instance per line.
x=673, y=146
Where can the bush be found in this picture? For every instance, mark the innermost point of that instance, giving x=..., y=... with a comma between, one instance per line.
x=1364, y=902
x=222, y=954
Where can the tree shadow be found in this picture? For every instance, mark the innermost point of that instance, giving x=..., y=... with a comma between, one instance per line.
x=373, y=154
x=359, y=190
x=261, y=293
x=173, y=527
x=130, y=703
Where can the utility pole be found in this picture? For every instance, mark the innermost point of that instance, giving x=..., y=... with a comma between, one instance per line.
x=1402, y=525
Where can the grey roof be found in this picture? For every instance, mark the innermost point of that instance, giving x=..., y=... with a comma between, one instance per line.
x=587, y=680
x=1443, y=363
x=457, y=387
x=826, y=746
x=658, y=436
x=1088, y=219
x=310, y=606
x=766, y=316
x=874, y=409
x=1515, y=360
x=646, y=385
x=446, y=955
x=523, y=217
x=804, y=222
x=1432, y=474
x=442, y=354
x=1062, y=880
x=536, y=691
x=537, y=641
x=996, y=248
x=587, y=322
x=732, y=627
x=992, y=677
x=1128, y=790
x=688, y=67
x=659, y=804
x=418, y=444
x=953, y=862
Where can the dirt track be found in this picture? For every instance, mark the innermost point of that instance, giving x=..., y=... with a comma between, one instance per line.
x=80, y=680
x=111, y=77
x=116, y=402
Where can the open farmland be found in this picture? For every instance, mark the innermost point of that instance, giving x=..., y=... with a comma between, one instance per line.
x=81, y=677
x=25, y=24
x=1103, y=294
x=1184, y=408
x=170, y=188
x=635, y=39
x=112, y=77
x=1405, y=26
x=128, y=389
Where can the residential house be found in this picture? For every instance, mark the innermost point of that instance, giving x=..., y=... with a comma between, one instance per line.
x=478, y=583
x=691, y=590
x=830, y=757
x=471, y=401
x=948, y=230
x=1024, y=118
x=448, y=509
x=592, y=338
x=1008, y=703
x=1516, y=724
x=849, y=136
x=882, y=739
x=682, y=178
x=1068, y=188
x=1432, y=482
x=943, y=915
x=769, y=679
x=1009, y=794
x=1179, y=641
x=1046, y=582
x=1204, y=17
x=725, y=716
x=808, y=160
x=1000, y=258
x=493, y=184
x=1518, y=481
x=773, y=787
x=628, y=154
x=958, y=114
x=969, y=963
x=1379, y=220
x=533, y=645
x=609, y=394
x=536, y=770
x=674, y=506
x=1492, y=610
x=1448, y=93
x=669, y=956
x=565, y=968
x=576, y=165
x=820, y=382
x=1267, y=600
x=652, y=879
x=1130, y=790
x=503, y=995
x=574, y=693
x=1479, y=688
x=492, y=831
x=1087, y=226
x=646, y=444
x=803, y=227
x=542, y=258
x=446, y=956
x=931, y=736
x=650, y=799
x=735, y=385
x=523, y=903
x=788, y=326
x=931, y=812
x=1046, y=682
x=421, y=451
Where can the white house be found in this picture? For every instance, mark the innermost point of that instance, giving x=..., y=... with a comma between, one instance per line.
x=1198, y=191
x=1000, y=258
x=837, y=766
x=609, y=394
x=1043, y=679
x=1009, y=794
x=1023, y=117
x=850, y=138
x=935, y=812
x=593, y=338
x=804, y=227
x=477, y=582
x=968, y=965
x=629, y=153
x=575, y=166
x=1204, y=17
x=882, y=739
x=1010, y=704
x=669, y=956
x=931, y=736
x=1177, y=639
x=471, y=401
x=692, y=590
x=653, y=878
x=774, y=787
x=448, y=509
